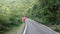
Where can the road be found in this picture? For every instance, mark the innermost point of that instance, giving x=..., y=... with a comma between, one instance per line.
x=33, y=27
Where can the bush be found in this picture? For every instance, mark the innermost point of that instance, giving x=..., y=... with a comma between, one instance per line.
x=57, y=28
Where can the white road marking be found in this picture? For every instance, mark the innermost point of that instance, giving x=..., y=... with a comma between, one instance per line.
x=24, y=32
x=25, y=29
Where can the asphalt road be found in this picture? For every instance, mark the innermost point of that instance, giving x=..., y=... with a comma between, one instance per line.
x=33, y=27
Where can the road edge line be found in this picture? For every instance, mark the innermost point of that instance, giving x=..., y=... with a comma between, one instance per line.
x=25, y=29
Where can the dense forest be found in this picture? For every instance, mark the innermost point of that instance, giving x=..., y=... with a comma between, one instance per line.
x=11, y=12
x=46, y=12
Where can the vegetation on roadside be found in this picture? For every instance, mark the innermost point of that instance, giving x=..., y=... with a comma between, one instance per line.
x=46, y=12
x=11, y=12
x=55, y=27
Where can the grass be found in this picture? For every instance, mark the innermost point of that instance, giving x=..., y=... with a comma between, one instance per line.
x=14, y=30
x=55, y=27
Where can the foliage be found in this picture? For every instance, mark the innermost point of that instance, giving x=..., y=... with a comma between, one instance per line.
x=57, y=28
x=46, y=12
x=11, y=12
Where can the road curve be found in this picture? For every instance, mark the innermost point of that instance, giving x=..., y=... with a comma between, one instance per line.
x=33, y=27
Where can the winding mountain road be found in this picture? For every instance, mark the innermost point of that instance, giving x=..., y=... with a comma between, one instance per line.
x=32, y=27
